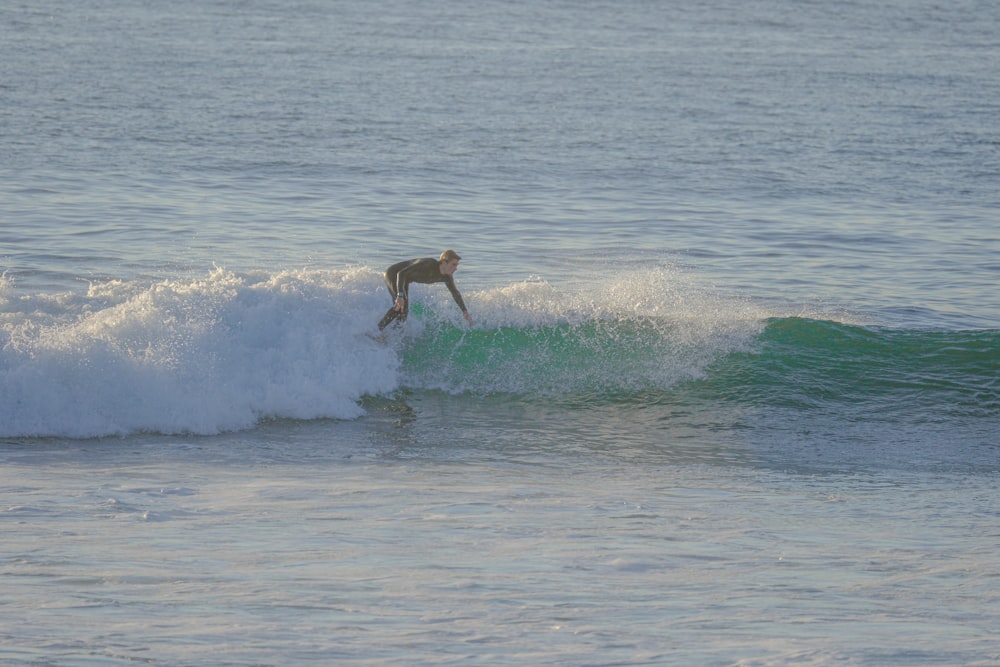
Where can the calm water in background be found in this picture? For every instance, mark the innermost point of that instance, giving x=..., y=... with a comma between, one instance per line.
x=732, y=396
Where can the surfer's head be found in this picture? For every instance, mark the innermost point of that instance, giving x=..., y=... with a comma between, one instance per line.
x=449, y=262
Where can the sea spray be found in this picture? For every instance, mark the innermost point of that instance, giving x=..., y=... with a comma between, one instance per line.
x=640, y=330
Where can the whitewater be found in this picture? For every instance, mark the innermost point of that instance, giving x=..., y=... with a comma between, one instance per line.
x=223, y=352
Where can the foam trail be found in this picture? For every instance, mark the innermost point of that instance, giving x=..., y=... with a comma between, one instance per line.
x=201, y=356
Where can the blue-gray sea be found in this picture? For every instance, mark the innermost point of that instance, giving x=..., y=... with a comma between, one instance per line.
x=732, y=394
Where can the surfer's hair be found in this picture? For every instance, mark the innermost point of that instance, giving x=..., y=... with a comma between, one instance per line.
x=449, y=256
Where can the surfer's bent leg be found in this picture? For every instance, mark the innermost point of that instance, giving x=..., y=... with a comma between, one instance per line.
x=393, y=314
x=390, y=315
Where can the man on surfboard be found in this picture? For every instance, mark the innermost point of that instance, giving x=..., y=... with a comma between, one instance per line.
x=427, y=270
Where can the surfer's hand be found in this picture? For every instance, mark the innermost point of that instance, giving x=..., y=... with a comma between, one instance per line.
x=400, y=302
x=468, y=318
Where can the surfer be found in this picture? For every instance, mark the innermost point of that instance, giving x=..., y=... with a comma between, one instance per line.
x=427, y=270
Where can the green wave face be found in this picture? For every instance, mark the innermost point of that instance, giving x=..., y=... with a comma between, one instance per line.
x=791, y=362
x=812, y=364
x=593, y=357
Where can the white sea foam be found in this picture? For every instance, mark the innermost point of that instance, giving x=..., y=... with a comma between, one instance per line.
x=222, y=351
x=202, y=355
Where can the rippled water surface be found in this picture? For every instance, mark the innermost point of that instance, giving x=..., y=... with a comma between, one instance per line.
x=731, y=397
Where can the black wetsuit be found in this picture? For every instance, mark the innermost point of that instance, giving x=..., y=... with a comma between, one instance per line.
x=398, y=278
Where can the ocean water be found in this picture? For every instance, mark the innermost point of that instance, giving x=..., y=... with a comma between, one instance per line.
x=732, y=396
